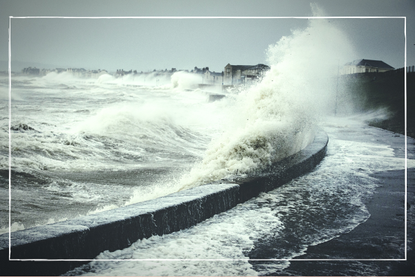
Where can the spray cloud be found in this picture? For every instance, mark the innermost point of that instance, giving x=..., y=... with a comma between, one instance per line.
x=276, y=118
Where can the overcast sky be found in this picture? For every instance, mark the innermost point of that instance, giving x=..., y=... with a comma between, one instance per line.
x=146, y=44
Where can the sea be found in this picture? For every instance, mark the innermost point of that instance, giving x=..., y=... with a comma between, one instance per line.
x=76, y=146
x=80, y=146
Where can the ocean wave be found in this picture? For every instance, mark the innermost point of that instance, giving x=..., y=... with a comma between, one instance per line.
x=275, y=118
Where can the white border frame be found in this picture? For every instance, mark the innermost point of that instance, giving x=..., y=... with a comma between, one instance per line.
x=216, y=17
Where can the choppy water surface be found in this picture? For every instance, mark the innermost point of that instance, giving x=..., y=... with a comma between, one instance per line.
x=280, y=224
x=83, y=145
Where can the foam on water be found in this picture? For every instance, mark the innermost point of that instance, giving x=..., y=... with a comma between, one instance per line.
x=199, y=242
x=280, y=224
x=93, y=115
x=148, y=79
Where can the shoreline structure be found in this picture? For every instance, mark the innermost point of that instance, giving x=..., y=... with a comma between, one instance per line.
x=57, y=248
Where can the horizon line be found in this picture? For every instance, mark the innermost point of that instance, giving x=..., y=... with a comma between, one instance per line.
x=205, y=17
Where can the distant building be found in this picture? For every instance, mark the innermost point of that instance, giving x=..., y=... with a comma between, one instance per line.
x=199, y=70
x=365, y=66
x=121, y=72
x=31, y=70
x=44, y=72
x=243, y=74
x=60, y=70
x=79, y=72
x=214, y=78
x=96, y=73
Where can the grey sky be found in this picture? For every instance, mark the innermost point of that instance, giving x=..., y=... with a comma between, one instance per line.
x=147, y=44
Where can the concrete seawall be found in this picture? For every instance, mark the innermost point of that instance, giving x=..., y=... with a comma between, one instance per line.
x=56, y=248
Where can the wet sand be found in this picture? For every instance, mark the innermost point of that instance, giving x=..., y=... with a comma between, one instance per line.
x=381, y=239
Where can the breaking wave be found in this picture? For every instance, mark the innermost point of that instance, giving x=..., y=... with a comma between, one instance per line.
x=276, y=117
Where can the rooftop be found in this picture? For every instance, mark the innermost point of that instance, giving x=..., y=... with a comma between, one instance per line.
x=245, y=67
x=372, y=63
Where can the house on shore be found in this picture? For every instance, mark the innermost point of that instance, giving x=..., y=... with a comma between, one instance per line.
x=243, y=74
x=83, y=73
x=365, y=66
x=31, y=71
x=212, y=78
x=79, y=72
x=122, y=72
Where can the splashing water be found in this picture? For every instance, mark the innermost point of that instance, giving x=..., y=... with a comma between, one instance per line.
x=276, y=117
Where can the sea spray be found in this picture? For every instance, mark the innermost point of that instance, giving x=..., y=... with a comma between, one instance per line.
x=155, y=79
x=184, y=80
x=277, y=117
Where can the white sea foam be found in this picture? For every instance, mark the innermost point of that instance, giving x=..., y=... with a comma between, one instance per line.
x=71, y=131
x=229, y=239
x=323, y=204
x=16, y=226
x=55, y=77
x=140, y=79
